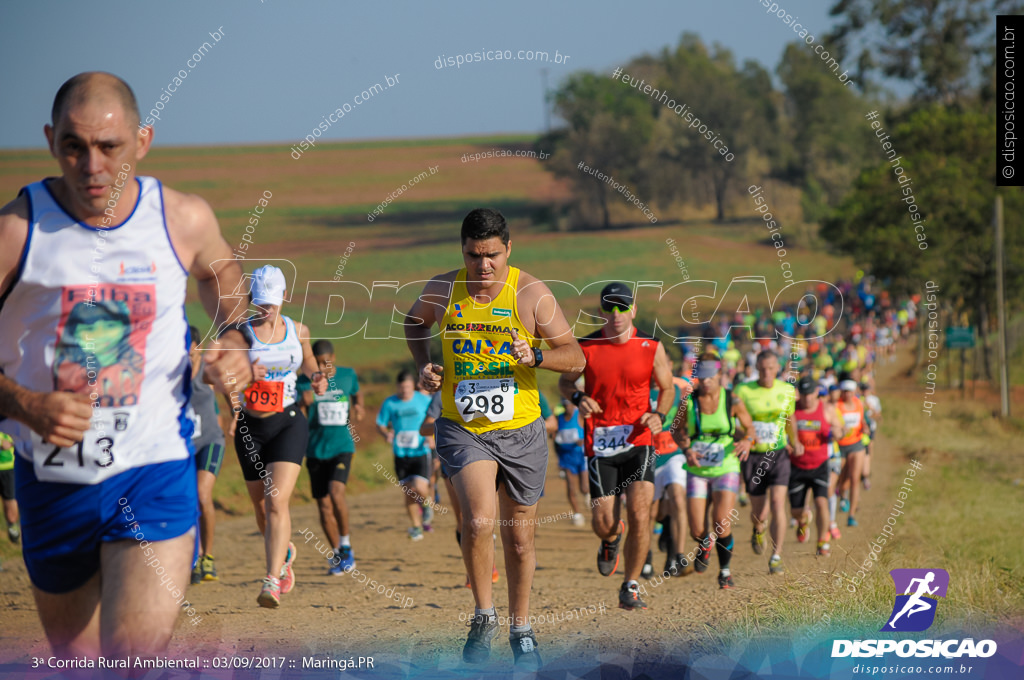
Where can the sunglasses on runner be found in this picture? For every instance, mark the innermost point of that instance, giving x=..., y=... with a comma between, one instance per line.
x=609, y=306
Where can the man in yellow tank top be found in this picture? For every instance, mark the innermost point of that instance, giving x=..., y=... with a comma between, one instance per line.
x=492, y=319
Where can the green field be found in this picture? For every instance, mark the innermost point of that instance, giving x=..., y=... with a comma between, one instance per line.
x=319, y=205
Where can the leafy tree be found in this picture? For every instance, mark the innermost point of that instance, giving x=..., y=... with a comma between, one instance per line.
x=936, y=45
x=830, y=142
x=950, y=157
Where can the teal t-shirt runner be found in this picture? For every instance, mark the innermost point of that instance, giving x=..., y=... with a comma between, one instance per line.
x=405, y=418
x=330, y=415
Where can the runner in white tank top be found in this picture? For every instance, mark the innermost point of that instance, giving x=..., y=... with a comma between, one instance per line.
x=94, y=382
x=271, y=432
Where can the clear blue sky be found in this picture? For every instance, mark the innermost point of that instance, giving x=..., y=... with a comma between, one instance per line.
x=283, y=65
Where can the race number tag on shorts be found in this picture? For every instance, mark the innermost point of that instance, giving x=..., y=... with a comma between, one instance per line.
x=93, y=459
x=265, y=395
x=407, y=439
x=332, y=412
x=492, y=399
x=766, y=433
x=611, y=440
x=567, y=437
x=709, y=454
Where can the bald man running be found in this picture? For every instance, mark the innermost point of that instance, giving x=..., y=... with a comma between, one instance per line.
x=493, y=318
x=95, y=375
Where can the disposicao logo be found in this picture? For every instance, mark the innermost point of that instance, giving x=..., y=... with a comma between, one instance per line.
x=917, y=593
x=914, y=610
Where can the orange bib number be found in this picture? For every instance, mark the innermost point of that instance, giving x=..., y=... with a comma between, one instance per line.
x=265, y=395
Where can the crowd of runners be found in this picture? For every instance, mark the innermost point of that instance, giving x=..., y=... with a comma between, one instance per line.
x=109, y=398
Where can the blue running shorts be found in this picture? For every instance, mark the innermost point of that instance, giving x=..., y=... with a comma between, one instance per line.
x=63, y=525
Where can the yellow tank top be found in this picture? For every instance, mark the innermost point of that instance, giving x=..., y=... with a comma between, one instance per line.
x=484, y=387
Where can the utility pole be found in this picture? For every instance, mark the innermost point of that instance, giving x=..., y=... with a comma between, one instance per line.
x=1004, y=367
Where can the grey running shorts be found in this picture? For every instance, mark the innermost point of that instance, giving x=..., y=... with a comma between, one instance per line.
x=521, y=455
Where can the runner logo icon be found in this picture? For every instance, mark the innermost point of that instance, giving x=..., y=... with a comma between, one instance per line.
x=914, y=609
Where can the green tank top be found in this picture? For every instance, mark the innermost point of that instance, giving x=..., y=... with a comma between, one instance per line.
x=6, y=456
x=711, y=437
x=770, y=409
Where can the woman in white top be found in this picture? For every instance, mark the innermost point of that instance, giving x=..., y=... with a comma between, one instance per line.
x=271, y=432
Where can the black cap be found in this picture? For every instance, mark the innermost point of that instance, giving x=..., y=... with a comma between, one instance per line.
x=616, y=293
x=807, y=385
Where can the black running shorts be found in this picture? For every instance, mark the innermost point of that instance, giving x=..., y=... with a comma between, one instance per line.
x=324, y=471
x=765, y=469
x=413, y=466
x=280, y=438
x=800, y=481
x=610, y=475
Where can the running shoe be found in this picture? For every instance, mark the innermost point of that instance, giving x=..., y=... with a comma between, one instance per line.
x=834, y=531
x=333, y=567
x=648, y=569
x=775, y=566
x=844, y=505
x=802, y=531
x=415, y=533
x=478, y=643
x=209, y=570
x=743, y=499
x=724, y=581
x=657, y=528
x=287, y=573
x=14, y=533
x=197, y=574
x=494, y=574
x=678, y=566
x=629, y=598
x=758, y=541
x=824, y=549
x=428, y=517
x=577, y=520
x=608, y=555
x=346, y=560
x=792, y=522
x=851, y=521
x=270, y=594
x=702, y=557
x=524, y=651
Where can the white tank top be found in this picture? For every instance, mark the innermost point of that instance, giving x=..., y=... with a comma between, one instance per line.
x=101, y=312
x=282, y=359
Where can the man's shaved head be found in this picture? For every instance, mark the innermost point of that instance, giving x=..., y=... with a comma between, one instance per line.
x=94, y=85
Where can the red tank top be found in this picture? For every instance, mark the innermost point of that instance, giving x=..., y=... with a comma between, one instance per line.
x=618, y=377
x=812, y=430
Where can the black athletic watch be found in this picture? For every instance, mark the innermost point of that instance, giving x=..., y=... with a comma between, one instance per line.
x=576, y=397
x=538, y=357
x=661, y=415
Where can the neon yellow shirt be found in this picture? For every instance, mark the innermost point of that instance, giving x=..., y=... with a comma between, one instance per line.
x=484, y=387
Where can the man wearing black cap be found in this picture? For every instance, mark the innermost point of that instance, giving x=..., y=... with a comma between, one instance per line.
x=619, y=429
x=816, y=425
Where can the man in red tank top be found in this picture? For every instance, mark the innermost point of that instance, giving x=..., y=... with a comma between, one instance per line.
x=619, y=430
x=816, y=425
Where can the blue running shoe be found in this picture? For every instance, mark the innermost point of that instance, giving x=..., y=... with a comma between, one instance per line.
x=348, y=560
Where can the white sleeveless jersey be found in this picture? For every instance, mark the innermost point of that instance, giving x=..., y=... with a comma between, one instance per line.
x=100, y=312
x=282, y=359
